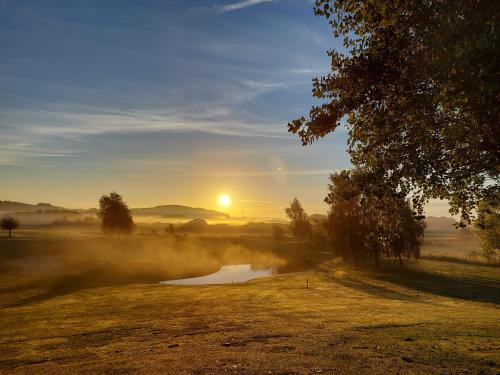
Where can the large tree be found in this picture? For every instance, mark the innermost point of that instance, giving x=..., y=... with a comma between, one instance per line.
x=407, y=232
x=365, y=221
x=115, y=214
x=301, y=227
x=346, y=226
x=417, y=86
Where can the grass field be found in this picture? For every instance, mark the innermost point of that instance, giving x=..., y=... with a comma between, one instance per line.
x=79, y=305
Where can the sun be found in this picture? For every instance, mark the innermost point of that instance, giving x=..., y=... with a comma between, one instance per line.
x=224, y=200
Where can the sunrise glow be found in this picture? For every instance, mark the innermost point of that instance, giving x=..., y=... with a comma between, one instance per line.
x=224, y=200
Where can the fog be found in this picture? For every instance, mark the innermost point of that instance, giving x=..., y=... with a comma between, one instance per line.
x=73, y=264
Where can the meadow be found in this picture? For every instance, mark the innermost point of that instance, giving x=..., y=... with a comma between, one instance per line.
x=76, y=302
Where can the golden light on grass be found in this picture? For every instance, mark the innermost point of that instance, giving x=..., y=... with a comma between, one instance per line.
x=224, y=200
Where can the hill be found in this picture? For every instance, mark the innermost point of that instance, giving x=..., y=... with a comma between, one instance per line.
x=170, y=210
x=11, y=207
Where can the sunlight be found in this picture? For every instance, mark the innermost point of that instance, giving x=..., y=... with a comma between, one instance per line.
x=224, y=200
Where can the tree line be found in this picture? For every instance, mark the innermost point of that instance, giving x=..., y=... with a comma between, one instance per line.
x=362, y=225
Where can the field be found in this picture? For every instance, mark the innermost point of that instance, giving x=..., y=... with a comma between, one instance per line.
x=91, y=304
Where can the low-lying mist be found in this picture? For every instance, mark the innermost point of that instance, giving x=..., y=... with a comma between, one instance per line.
x=72, y=264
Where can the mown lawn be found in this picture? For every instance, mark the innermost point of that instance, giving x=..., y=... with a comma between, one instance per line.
x=431, y=318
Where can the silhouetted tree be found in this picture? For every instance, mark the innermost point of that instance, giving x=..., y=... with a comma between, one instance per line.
x=195, y=225
x=114, y=214
x=407, y=232
x=9, y=223
x=487, y=227
x=418, y=89
x=301, y=227
x=347, y=225
x=367, y=220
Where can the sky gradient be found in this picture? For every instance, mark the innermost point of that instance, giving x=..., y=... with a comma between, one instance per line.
x=165, y=102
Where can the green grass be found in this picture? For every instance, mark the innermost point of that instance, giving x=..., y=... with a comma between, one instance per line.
x=84, y=306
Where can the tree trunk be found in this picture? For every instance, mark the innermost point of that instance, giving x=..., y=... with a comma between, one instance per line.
x=10, y=234
x=400, y=260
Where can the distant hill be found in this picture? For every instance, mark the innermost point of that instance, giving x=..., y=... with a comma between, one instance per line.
x=175, y=210
x=171, y=210
x=11, y=207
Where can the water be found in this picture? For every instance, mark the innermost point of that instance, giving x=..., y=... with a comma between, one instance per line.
x=226, y=275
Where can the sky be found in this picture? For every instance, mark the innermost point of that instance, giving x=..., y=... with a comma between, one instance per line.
x=164, y=102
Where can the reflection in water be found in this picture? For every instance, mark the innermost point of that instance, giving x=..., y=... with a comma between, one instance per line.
x=226, y=275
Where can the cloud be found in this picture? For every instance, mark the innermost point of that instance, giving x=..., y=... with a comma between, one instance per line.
x=308, y=71
x=239, y=5
x=39, y=133
x=82, y=121
x=264, y=86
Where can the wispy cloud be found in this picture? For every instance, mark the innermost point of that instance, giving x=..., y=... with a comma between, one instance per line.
x=239, y=5
x=88, y=121
x=264, y=86
x=37, y=131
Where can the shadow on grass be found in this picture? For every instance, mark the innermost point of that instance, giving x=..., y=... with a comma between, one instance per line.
x=375, y=290
x=473, y=289
x=106, y=275
x=366, y=287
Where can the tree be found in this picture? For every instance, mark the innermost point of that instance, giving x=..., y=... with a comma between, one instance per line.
x=408, y=232
x=301, y=227
x=487, y=227
x=195, y=225
x=278, y=233
x=114, y=214
x=365, y=221
x=346, y=226
x=417, y=87
x=9, y=223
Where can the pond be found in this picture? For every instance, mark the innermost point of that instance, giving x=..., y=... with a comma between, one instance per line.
x=225, y=275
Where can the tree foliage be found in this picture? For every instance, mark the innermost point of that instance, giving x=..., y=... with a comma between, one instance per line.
x=417, y=86
x=301, y=227
x=9, y=223
x=114, y=214
x=407, y=232
x=365, y=222
x=487, y=226
x=195, y=225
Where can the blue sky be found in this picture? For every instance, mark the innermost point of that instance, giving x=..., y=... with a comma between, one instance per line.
x=163, y=101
